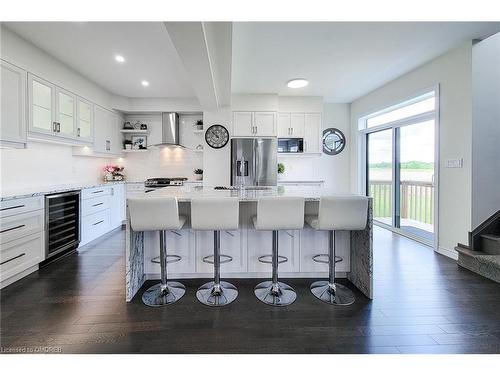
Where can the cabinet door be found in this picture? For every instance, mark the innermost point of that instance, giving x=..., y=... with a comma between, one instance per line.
x=265, y=124
x=66, y=113
x=13, y=103
x=101, y=142
x=284, y=129
x=85, y=124
x=114, y=135
x=231, y=243
x=117, y=205
x=260, y=243
x=243, y=124
x=297, y=123
x=312, y=131
x=41, y=95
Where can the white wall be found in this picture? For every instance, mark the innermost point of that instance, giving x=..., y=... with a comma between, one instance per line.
x=167, y=161
x=485, y=129
x=452, y=71
x=333, y=169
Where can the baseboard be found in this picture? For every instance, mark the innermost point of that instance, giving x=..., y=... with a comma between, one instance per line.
x=453, y=254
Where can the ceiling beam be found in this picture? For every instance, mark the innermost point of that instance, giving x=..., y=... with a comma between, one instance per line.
x=205, y=49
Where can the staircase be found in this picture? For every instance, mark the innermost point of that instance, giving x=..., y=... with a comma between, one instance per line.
x=482, y=255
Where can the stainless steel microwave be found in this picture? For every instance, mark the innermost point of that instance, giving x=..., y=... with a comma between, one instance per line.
x=290, y=145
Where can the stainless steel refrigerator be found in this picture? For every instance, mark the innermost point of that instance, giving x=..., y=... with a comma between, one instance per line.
x=254, y=161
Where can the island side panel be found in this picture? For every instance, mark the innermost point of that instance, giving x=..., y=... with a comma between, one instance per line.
x=361, y=274
x=134, y=261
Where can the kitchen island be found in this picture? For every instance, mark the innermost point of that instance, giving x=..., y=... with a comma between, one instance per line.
x=246, y=244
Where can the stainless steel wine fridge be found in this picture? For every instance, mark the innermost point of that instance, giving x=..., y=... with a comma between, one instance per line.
x=62, y=223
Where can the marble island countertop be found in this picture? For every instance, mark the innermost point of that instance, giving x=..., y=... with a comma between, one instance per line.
x=186, y=193
x=6, y=194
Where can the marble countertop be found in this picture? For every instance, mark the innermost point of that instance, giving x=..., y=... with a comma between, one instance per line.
x=7, y=194
x=186, y=193
x=300, y=181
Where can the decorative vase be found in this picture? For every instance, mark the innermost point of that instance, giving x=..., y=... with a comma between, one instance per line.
x=108, y=176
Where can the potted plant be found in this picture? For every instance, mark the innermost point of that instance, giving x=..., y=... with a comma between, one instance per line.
x=198, y=173
x=113, y=173
x=281, y=169
x=199, y=125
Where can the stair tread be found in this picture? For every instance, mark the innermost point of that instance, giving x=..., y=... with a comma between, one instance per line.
x=490, y=236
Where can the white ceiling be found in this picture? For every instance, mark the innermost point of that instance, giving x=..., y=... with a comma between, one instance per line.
x=342, y=61
x=90, y=47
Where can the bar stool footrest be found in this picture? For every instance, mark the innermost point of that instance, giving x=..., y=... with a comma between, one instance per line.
x=224, y=259
x=173, y=259
x=318, y=258
x=269, y=259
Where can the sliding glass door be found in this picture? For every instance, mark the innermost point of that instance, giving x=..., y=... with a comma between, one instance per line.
x=400, y=170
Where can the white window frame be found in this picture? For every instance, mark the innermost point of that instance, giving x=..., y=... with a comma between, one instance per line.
x=362, y=157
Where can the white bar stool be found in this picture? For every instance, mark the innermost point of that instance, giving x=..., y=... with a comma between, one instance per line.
x=216, y=214
x=281, y=213
x=159, y=214
x=336, y=213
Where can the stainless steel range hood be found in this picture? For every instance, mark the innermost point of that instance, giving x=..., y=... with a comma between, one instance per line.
x=169, y=129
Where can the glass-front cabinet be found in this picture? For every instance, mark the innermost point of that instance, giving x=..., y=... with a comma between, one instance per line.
x=84, y=126
x=41, y=106
x=66, y=113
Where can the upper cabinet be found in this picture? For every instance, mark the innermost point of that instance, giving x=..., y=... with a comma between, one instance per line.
x=301, y=125
x=107, y=136
x=55, y=113
x=254, y=124
x=85, y=120
x=13, y=105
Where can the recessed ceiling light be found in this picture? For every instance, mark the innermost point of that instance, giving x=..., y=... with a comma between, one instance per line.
x=120, y=58
x=297, y=83
x=145, y=83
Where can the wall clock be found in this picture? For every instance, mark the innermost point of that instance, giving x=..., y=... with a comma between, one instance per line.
x=217, y=136
x=333, y=141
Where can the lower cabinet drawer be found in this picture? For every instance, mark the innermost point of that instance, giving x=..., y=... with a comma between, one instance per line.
x=93, y=205
x=95, y=225
x=21, y=254
x=18, y=206
x=96, y=192
x=17, y=226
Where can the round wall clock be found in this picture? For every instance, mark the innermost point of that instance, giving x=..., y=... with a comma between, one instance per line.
x=217, y=136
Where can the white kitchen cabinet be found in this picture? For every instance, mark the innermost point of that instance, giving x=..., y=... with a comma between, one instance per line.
x=107, y=136
x=41, y=99
x=313, y=242
x=117, y=205
x=179, y=242
x=13, y=105
x=254, y=124
x=232, y=243
x=291, y=125
x=66, y=113
x=260, y=243
x=312, y=132
x=85, y=120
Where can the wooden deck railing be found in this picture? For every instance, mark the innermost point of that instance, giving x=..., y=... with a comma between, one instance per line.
x=417, y=200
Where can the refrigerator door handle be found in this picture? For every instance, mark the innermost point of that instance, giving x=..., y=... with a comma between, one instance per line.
x=242, y=168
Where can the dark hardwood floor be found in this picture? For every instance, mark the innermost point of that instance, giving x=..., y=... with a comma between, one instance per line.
x=423, y=303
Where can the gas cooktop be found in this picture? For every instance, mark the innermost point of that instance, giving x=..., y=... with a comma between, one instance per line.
x=164, y=182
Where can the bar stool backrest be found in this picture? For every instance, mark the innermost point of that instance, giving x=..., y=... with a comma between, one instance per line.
x=276, y=213
x=215, y=213
x=154, y=214
x=348, y=212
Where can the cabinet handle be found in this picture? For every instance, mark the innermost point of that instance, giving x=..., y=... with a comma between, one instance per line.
x=11, y=259
x=177, y=233
x=54, y=127
x=99, y=222
x=12, y=207
x=287, y=232
x=78, y=132
x=97, y=191
x=13, y=228
x=97, y=204
x=108, y=145
x=231, y=234
x=305, y=145
x=58, y=127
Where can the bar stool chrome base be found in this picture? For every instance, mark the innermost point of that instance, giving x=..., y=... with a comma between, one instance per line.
x=157, y=296
x=212, y=294
x=275, y=294
x=334, y=294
